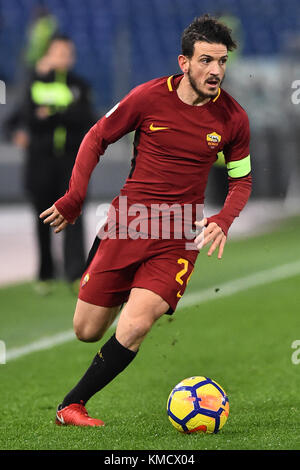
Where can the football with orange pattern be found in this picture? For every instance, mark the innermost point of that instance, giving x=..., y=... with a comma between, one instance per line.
x=198, y=404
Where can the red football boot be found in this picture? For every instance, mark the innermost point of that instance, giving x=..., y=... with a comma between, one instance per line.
x=76, y=415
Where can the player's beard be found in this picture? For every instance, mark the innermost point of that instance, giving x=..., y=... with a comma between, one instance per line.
x=201, y=94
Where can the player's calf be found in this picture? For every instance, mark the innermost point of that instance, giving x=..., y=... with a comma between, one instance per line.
x=142, y=310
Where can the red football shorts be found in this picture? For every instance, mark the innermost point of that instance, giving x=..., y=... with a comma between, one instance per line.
x=118, y=265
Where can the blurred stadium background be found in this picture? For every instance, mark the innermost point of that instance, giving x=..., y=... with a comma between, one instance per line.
x=121, y=43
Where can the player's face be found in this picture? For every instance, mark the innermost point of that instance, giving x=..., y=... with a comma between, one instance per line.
x=206, y=68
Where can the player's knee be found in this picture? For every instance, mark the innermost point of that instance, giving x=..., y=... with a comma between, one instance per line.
x=86, y=333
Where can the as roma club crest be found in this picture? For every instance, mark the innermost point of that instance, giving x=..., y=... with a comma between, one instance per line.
x=213, y=139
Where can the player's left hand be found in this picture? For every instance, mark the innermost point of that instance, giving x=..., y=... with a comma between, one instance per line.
x=211, y=234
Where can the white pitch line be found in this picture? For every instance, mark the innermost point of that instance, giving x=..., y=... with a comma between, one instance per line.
x=43, y=343
x=259, y=278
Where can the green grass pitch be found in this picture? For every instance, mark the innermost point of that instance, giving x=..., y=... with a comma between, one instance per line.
x=243, y=341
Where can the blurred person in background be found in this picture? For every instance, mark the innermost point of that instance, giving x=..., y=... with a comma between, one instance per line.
x=55, y=114
x=40, y=31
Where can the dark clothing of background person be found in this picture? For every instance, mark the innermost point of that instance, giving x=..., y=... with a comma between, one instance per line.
x=56, y=114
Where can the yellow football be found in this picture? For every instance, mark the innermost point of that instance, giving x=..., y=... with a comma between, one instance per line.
x=198, y=404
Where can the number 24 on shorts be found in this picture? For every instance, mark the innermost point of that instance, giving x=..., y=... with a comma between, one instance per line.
x=181, y=273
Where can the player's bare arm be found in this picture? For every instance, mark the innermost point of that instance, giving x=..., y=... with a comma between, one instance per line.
x=211, y=234
x=53, y=217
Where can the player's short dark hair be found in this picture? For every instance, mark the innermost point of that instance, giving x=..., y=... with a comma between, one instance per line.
x=208, y=29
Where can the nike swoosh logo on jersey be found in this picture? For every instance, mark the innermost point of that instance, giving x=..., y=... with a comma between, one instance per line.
x=153, y=128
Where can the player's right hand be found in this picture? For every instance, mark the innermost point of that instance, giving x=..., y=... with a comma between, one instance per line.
x=54, y=218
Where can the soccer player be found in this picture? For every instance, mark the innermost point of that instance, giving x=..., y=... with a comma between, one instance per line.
x=181, y=123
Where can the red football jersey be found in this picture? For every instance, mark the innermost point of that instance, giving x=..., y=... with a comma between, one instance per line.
x=175, y=146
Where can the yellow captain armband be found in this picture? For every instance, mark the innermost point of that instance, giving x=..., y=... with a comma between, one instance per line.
x=239, y=168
